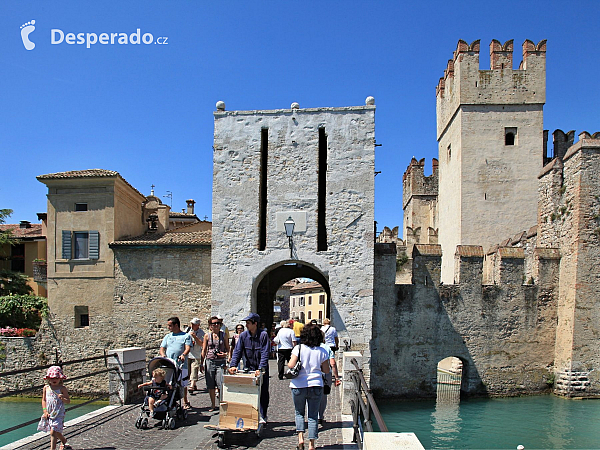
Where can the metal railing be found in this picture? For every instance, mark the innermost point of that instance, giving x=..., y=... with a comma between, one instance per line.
x=38, y=387
x=363, y=407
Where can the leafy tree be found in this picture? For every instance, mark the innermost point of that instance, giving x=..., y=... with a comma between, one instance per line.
x=6, y=236
x=14, y=283
x=22, y=311
x=11, y=282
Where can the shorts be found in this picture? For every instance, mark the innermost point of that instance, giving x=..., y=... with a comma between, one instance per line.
x=193, y=367
x=211, y=373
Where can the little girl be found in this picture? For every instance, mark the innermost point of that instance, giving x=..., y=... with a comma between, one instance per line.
x=155, y=396
x=54, y=398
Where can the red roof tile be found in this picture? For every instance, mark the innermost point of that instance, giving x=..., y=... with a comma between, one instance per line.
x=34, y=230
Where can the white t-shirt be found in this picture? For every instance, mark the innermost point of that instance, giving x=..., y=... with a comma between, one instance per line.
x=285, y=339
x=196, y=351
x=311, y=359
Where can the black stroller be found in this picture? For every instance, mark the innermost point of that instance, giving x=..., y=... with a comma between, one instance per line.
x=170, y=408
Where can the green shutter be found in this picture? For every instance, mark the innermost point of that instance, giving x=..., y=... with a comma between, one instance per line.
x=66, y=244
x=94, y=249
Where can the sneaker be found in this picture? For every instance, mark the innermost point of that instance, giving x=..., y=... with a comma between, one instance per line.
x=261, y=420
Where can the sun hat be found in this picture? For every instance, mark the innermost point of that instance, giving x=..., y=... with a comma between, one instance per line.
x=55, y=372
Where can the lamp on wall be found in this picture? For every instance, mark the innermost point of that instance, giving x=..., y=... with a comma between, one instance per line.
x=289, y=231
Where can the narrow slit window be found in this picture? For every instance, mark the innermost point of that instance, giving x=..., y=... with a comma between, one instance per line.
x=262, y=190
x=81, y=206
x=510, y=136
x=322, y=192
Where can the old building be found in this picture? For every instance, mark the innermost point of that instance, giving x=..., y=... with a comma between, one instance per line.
x=308, y=302
x=313, y=167
x=117, y=266
x=510, y=288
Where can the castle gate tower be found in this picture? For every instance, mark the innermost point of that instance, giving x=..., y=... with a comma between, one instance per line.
x=314, y=166
x=490, y=141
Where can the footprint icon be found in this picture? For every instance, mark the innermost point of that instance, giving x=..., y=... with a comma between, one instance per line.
x=26, y=30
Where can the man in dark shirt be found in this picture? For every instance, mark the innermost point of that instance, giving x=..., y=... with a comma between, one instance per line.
x=255, y=345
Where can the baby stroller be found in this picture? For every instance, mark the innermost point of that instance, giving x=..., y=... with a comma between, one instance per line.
x=170, y=408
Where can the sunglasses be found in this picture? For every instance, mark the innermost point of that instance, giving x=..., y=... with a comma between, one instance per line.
x=216, y=323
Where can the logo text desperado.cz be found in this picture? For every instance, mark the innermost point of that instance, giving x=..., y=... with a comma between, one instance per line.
x=58, y=36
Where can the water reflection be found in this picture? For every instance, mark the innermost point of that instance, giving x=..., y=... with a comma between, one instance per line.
x=446, y=423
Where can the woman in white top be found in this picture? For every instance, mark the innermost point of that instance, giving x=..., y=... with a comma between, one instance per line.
x=307, y=387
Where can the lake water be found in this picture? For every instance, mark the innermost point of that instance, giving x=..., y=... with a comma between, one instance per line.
x=547, y=422
x=14, y=411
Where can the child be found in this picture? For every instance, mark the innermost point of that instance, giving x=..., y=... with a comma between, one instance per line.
x=54, y=398
x=158, y=379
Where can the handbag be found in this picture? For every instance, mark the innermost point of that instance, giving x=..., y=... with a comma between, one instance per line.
x=294, y=371
x=326, y=385
x=43, y=425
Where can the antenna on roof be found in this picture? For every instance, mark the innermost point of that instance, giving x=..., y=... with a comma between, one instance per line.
x=169, y=195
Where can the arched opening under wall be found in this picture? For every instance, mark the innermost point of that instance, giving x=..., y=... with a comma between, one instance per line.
x=266, y=285
x=450, y=378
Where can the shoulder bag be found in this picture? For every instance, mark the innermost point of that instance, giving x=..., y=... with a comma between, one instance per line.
x=294, y=371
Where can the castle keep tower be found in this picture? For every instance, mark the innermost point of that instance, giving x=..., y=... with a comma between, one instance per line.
x=490, y=141
x=315, y=166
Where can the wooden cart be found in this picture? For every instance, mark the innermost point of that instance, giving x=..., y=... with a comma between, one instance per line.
x=240, y=406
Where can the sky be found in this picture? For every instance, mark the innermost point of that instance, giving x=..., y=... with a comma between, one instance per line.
x=146, y=110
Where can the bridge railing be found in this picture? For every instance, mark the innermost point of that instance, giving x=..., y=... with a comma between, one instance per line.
x=126, y=368
x=363, y=406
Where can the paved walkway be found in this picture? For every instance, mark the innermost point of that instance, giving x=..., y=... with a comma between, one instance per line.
x=115, y=429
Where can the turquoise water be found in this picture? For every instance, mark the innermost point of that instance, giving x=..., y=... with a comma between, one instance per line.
x=14, y=411
x=540, y=422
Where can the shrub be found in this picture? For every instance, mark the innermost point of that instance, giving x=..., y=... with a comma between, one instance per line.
x=17, y=332
x=22, y=311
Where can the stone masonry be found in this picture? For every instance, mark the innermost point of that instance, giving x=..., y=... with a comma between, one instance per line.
x=293, y=138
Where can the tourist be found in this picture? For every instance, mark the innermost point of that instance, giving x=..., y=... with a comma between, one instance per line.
x=177, y=345
x=286, y=341
x=239, y=329
x=298, y=326
x=255, y=345
x=156, y=396
x=54, y=398
x=307, y=387
x=195, y=356
x=214, y=352
x=272, y=335
x=331, y=336
x=224, y=328
x=328, y=378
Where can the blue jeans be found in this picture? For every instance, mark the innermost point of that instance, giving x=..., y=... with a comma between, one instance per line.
x=310, y=396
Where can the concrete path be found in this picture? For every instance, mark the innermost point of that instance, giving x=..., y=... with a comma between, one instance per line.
x=115, y=427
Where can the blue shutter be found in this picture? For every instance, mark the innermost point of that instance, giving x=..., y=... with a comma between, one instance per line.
x=66, y=244
x=94, y=249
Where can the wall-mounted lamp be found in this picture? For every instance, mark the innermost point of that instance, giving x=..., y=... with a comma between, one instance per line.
x=289, y=231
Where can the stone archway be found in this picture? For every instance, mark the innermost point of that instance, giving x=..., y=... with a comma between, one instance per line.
x=268, y=282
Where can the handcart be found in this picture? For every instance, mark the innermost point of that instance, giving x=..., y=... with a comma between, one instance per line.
x=240, y=406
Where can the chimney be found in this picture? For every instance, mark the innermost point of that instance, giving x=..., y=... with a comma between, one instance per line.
x=190, y=206
x=24, y=224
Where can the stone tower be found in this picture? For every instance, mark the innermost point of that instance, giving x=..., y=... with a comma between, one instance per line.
x=314, y=166
x=490, y=141
x=419, y=202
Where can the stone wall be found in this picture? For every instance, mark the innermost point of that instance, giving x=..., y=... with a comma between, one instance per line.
x=239, y=265
x=504, y=334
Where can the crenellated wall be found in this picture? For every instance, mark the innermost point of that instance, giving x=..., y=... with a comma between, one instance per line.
x=503, y=333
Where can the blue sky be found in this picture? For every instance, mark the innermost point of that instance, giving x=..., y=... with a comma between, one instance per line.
x=146, y=110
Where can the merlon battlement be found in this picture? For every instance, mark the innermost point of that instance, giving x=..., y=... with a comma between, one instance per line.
x=501, y=57
x=415, y=183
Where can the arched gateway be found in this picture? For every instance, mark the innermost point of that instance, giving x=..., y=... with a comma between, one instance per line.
x=268, y=282
x=313, y=168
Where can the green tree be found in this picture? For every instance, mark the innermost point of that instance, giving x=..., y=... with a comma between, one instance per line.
x=11, y=282
x=22, y=311
x=6, y=236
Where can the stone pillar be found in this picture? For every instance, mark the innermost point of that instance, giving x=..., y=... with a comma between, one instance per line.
x=348, y=387
x=130, y=365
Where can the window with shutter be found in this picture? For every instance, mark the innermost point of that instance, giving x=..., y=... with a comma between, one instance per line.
x=66, y=244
